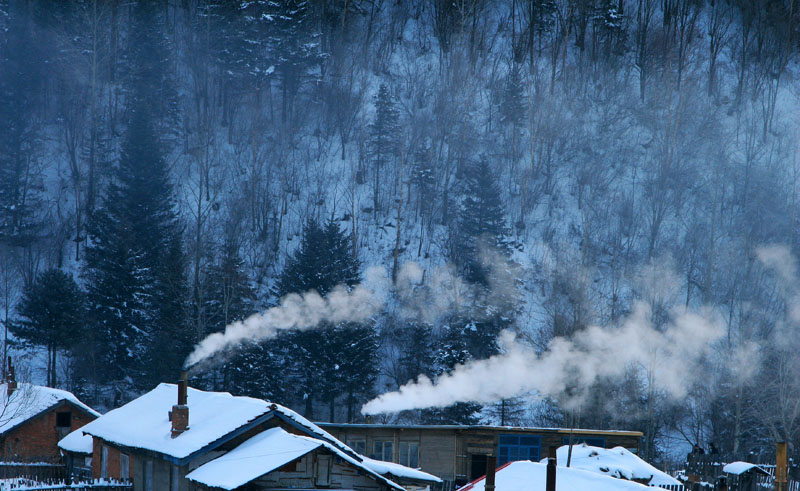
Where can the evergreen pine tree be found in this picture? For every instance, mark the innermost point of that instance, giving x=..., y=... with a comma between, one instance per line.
x=328, y=361
x=52, y=312
x=452, y=350
x=21, y=80
x=149, y=79
x=384, y=140
x=481, y=224
x=134, y=268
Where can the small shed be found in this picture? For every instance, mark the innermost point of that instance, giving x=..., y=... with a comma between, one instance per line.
x=34, y=418
x=744, y=476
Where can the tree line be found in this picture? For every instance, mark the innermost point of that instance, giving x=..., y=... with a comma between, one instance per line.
x=168, y=168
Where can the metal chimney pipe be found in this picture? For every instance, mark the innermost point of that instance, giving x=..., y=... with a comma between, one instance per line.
x=182, y=384
x=491, y=467
x=551, y=474
x=179, y=416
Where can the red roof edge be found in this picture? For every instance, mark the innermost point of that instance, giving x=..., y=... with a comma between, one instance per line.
x=470, y=485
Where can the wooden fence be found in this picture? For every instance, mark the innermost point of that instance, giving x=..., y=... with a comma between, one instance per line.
x=90, y=485
x=41, y=472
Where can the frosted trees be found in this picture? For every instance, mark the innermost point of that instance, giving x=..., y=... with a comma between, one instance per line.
x=384, y=140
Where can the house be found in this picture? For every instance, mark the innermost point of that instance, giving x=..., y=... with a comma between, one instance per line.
x=180, y=439
x=34, y=418
x=524, y=475
x=459, y=454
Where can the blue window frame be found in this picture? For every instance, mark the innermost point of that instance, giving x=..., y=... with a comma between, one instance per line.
x=577, y=440
x=518, y=447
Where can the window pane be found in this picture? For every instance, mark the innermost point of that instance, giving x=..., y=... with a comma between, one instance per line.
x=509, y=440
x=377, y=450
x=403, y=455
x=413, y=455
x=148, y=476
x=388, y=453
x=124, y=466
x=529, y=440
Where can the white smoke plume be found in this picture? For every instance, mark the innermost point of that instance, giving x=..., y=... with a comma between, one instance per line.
x=299, y=312
x=669, y=358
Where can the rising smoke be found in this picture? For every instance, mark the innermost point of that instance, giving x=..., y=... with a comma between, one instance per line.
x=298, y=312
x=669, y=358
x=418, y=297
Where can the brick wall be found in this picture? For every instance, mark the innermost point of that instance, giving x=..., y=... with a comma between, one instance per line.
x=114, y=468
x=37, y=439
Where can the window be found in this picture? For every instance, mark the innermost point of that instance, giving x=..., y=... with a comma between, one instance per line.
x=148, y=475
x=64, y=419
x=360, y=446
x=175, y=478
x=594, y=442
x=104, y=463
x=382, y=450
x=124, y=466
x=517, y=447
x=409, y=454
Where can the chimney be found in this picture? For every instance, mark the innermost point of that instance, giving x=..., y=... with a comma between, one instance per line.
x=551, y=474
x=491, y=467
x=11, y=383
x=179, y=416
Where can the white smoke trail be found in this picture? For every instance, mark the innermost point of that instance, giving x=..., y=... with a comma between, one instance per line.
x=299, y=312
x=670, y=358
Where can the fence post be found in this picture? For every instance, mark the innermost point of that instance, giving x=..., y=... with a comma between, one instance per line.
x=780, y=467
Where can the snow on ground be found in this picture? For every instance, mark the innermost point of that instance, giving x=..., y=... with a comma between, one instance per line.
x=525, y=475
x=28, y=400
x=616, y=462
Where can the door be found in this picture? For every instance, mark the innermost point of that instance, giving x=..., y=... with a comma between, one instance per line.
x=477, y=466
x=323, y=470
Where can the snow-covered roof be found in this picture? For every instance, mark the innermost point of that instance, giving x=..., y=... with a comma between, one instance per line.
x=144, y=423
x=525, y=475
x=76, y=442
x=262, y=454
x=29, y=400
x=252, y=459
x=615, y=462
x=398, y=471
x=738, y=468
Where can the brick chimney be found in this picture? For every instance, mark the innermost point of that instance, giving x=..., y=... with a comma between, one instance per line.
x=179, y=416
x=11, y=382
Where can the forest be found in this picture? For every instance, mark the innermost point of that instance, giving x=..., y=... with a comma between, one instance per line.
x=169, y=167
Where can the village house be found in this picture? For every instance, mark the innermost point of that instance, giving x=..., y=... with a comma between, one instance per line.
x=459, y=454
x=181, y=439
x=35, y=418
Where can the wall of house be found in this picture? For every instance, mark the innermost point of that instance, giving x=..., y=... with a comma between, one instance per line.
x=114, y=460
x=37, y=439
x=319, y=469
x=452, y=453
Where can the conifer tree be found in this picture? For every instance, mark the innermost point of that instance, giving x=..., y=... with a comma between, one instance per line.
x=481, y=224
x=452, y=350
x=384, y=139
x=52, y=312
x=330, y=360
x=134, y=267
x=21, y=80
